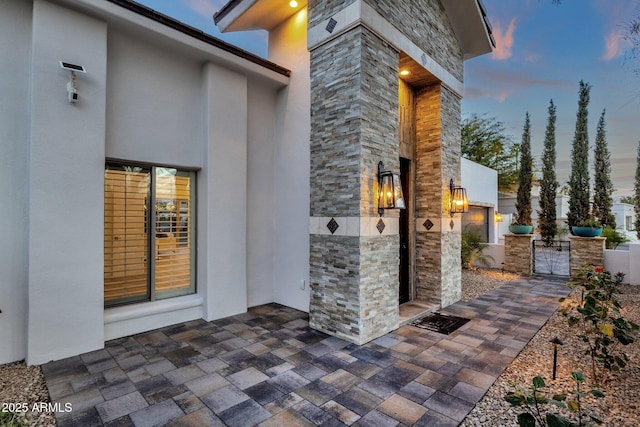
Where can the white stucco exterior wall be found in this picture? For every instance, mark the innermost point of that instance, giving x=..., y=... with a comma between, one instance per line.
x=261, y=193
x=288, y=47
x=15, y=45
x=66, y=186
x=150, y=95
x=226, y=192
x=481, y=183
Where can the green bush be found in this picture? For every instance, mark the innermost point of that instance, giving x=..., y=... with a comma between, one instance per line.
x=472, y=250
x=614, y=237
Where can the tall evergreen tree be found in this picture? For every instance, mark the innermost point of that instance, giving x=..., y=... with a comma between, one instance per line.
x=579, y=179
x=602, y=185
x=525, y=176
x=636, y=194
x=548, y=185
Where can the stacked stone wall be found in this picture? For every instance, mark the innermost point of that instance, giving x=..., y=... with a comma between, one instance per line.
x=336, y=126
x=518, y=253
x=585, y=251
x=430, y=29
x=354, y=125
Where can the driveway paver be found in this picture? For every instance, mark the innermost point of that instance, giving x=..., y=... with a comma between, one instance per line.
x=266, y=367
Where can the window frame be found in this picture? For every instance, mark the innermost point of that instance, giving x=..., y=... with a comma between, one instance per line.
x=152, y=256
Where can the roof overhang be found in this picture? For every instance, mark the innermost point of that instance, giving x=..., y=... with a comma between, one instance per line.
x=468, y=19
x=471, y=25
x=243, y=15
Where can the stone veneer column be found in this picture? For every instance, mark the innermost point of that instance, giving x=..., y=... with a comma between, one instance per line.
x=438, y=235
x=585, y=250
x=518, y=253
x=354, y=254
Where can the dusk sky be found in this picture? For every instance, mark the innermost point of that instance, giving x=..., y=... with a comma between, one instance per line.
x=543, y=51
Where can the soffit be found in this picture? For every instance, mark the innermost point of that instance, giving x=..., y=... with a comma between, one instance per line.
x=471, y=25
x=243, y=15
x=418, y=76
x=468, y=19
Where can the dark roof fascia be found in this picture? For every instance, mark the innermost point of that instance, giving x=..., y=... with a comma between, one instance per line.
x=225, y=10
x=199, y=35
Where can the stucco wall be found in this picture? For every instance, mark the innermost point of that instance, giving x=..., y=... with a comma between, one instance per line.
x=15, y=45
x=288, y=47
x=66, y=170
x=148, y=96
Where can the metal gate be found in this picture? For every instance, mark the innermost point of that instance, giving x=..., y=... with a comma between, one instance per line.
x=551, y=258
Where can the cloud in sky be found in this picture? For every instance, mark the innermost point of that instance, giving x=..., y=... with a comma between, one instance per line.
x=615, y=45
x=503, y=84
x=504, y=40
x=204, y=7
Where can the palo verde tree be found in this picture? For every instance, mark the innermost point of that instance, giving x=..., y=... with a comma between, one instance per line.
x=485, y=141
x=602, y=185
x=549, y=184
x=636, y=194
x=525, y=176
x=579, y=179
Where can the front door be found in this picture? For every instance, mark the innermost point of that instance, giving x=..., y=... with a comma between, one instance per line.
x=404, y=294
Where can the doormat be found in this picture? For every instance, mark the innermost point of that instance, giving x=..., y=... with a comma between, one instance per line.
x=440, y=323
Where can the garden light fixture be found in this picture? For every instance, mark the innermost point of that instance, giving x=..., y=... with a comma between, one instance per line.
x=556, y=342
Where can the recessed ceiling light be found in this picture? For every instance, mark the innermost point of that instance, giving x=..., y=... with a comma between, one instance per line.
x=293, y=3
x=405, y=72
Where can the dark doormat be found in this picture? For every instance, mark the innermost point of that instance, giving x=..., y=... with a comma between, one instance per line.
x=440, y=323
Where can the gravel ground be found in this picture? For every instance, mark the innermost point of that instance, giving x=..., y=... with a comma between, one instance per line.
x=621, y=406
x=24, y=385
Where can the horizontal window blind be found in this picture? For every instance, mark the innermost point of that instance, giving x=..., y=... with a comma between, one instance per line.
x=149, y=233
x=125, y=236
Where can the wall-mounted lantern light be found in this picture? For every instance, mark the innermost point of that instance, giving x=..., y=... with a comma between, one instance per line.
x=390, y=190
x=459, y=201
x=498, y=217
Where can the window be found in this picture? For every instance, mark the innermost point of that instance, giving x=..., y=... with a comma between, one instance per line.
x=149, y=233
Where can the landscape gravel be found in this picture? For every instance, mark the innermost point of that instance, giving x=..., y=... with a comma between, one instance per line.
x=620, y=408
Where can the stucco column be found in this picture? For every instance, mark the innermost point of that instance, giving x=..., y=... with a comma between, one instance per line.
x=66, y=186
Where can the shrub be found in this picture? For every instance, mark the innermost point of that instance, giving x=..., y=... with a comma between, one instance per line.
x=614, y=237
x=597, y=313
x=473, y=249
x=533, y=399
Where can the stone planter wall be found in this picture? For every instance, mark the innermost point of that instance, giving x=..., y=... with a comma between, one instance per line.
x=585, y=250
x=518, y=253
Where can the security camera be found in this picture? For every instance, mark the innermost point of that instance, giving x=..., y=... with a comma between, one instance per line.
x=72, y=91
x=72, y=86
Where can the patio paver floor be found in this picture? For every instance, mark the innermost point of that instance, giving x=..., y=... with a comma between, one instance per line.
x=266, y=367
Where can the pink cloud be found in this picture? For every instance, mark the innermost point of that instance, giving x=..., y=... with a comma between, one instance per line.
x=504, y=40
x=615, y=45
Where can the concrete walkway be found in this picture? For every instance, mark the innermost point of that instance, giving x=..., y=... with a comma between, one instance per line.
x=268, y=368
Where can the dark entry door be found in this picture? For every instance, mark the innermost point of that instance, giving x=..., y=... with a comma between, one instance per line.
x=404, y=294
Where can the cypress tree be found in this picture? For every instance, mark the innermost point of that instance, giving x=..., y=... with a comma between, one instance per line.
x=579, y=179
x=602, y=185
x=548, y=184
x=636, y=194
x=525, y=175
